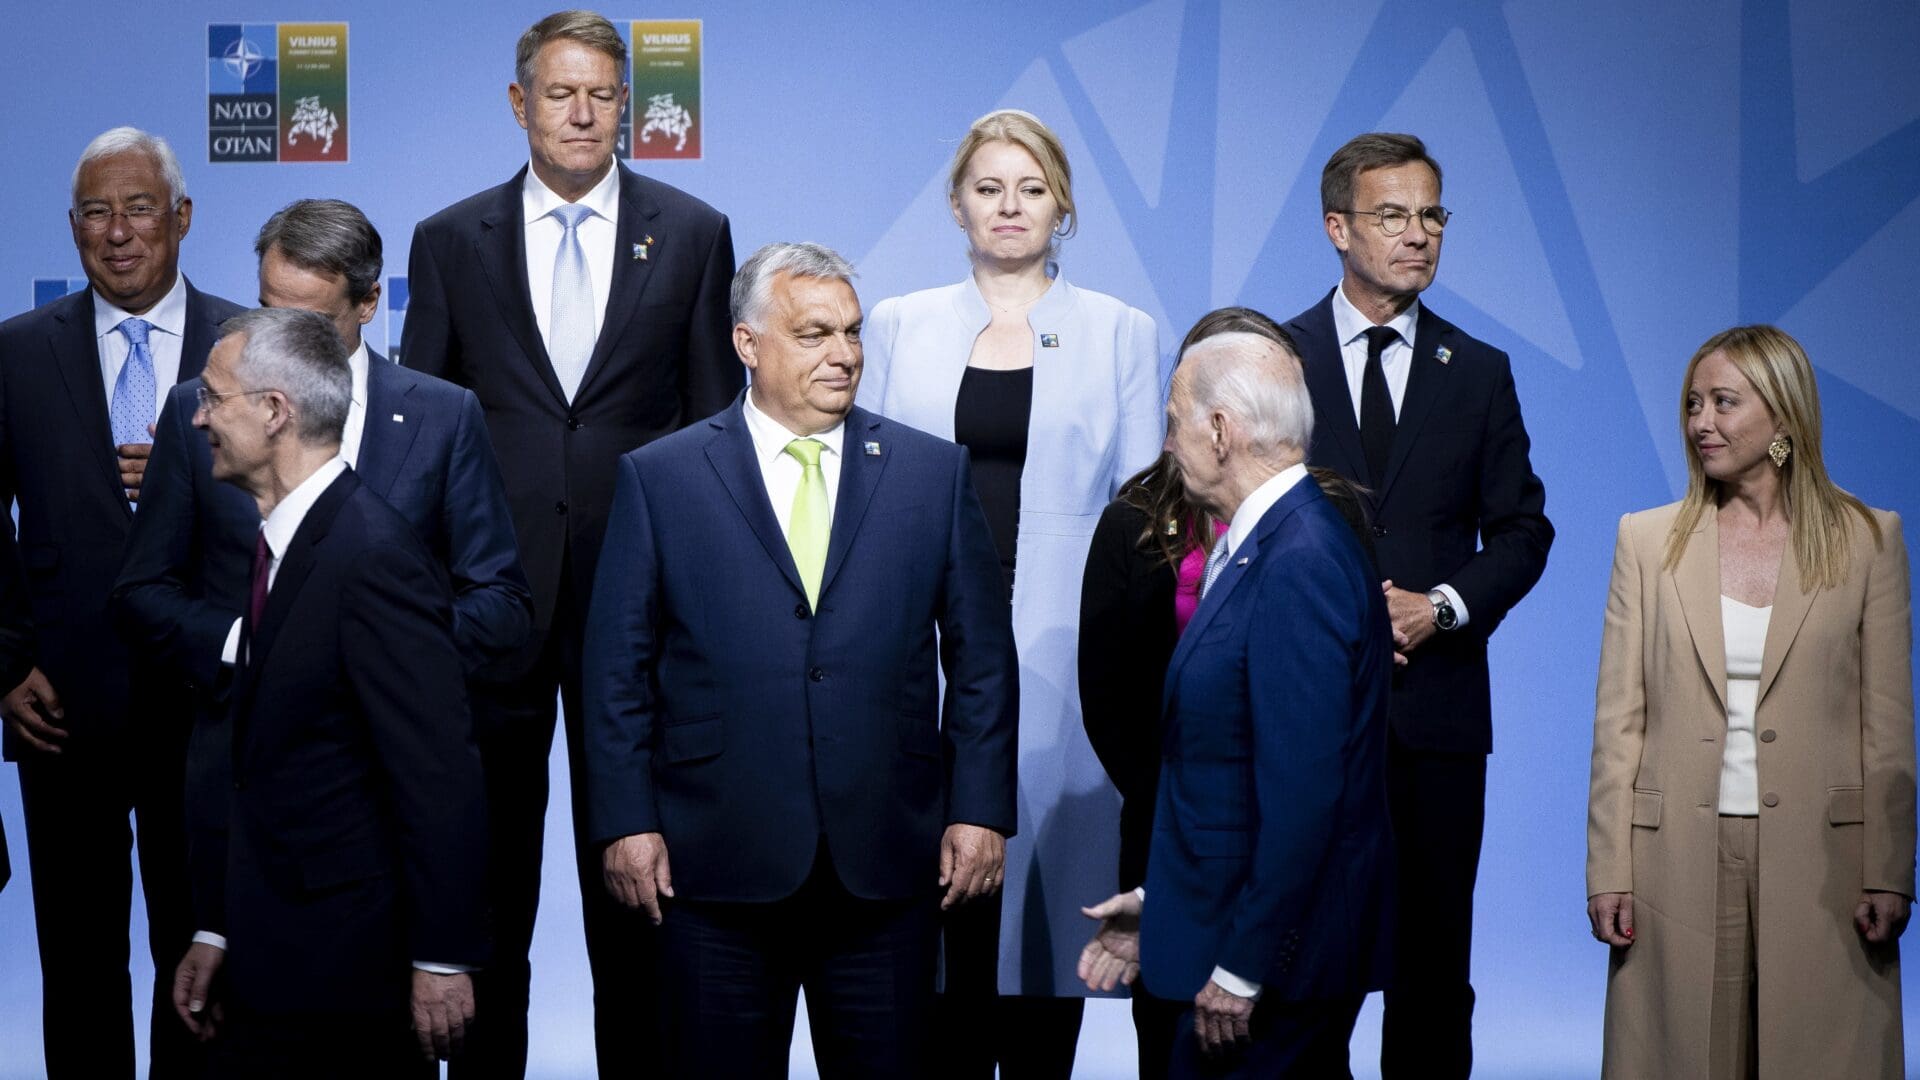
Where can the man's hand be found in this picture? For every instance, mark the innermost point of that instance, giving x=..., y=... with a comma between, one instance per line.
x=1411, y=614
x=1611, y=914
x=133, y=464
x=1881, y=916
x=31, y=710
x=442, y=1009
x=1221, y=1019
x=193, y=988
x=1112, y=958
x=971, y=860
x=636, y=871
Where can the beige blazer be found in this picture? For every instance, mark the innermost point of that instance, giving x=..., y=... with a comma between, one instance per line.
x=1835, y=724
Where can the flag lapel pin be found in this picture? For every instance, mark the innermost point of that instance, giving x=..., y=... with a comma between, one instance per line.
x=1443, y=354
x=872, y=449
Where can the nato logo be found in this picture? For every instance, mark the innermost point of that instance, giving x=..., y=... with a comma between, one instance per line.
x=243, y=100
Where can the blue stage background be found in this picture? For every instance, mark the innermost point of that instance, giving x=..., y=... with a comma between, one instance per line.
x=1628, y=177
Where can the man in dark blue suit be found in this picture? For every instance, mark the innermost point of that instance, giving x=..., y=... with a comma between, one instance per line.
x=1428, y=420
x=347, y=912
x=1267, y=895
x=783, y=585
x=81, y=380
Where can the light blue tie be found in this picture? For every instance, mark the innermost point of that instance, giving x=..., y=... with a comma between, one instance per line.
x=133, y=391
x=1215, y=560
x=570, y=316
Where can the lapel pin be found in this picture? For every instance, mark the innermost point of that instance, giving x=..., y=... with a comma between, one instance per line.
x=1049, y=341
x=398, y=419
x=1241, y=561
x=1443, y=354
x=640, y=249
x=872, y=449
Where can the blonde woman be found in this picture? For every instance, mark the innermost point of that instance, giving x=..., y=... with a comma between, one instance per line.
x=1750, y=835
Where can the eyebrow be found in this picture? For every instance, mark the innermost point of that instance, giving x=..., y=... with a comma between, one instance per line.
x=147, y=195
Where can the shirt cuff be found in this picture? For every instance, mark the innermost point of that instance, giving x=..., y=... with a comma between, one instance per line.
x=1459, y=605
x=1140, y=891
x=442, y=969
x=208, y=937
x=1235, y=985
x=230, y=654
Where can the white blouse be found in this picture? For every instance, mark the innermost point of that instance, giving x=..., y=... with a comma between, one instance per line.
x=1745, y=630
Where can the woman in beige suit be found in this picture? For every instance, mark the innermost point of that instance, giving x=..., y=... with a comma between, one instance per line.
x=1750, y=830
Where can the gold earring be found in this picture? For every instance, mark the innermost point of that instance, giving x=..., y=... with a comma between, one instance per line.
x=1778, y=450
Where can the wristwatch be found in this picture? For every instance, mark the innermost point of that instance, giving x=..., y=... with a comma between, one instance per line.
x=1444, y=617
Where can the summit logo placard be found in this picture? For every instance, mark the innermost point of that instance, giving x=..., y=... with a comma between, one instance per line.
x=665, y=111
x=276, y=92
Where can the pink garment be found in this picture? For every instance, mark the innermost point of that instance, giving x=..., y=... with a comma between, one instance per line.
x=1186, y=581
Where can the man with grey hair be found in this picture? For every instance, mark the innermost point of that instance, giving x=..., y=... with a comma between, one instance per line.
x=784, y=583
x=81, y=381
x=347, y=909
x=587, y=306
x=1267, y=896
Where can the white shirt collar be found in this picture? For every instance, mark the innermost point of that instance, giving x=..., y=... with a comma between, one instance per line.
x=285, y=519
x=1348, y=323
x=1259, y=501
x=357, y=361
x=537, y=200
x=168, y=316
x=770, y=436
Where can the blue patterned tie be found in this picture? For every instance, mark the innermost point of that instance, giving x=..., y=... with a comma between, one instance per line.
x=133, y=391
x=570, y=316
x=1216, y=559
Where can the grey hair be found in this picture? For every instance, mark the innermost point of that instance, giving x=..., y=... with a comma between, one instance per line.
x=589, y=28
x=1258, y=382
x=298, y=353
x=126, y=140
x=753, y=284
x=328, y=236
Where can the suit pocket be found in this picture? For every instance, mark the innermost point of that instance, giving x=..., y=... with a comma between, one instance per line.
x=1846, y=806
x=1220, y=843
x=919, y=735
x=694, y=740
x=1646, y=809
x=341, y=866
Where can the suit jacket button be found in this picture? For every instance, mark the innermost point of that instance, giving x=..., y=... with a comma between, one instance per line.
x=573, y=423
x=800, y=611
x=1770, y=799
x=817, y=675
x=1379, y=532
x=560, y=507
x=1767, y=735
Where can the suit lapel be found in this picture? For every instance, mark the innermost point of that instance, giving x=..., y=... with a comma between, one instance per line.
x=1425, y=380
x=1698, y=581
x=630, y=274
x=1336, y=433
x=501, y=250
x=732, y=456
x=77, y=355
x=385, y=441
x=1790, y=607
x=859, y=476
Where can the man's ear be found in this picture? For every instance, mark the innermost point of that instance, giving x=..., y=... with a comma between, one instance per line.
x=745, y=344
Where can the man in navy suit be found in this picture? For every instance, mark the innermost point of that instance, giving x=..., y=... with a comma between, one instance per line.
x=1267, y=895
x=347, y=912
x=81, y=380
x=1427, y=419
x=784, y=584
x=587, y=306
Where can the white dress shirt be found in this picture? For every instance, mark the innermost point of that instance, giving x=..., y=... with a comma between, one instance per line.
x=168, y=320
x=598, y=232
x=1396, y=362
x=780, y=471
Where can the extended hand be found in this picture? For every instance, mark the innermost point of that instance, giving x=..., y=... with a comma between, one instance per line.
x=133, y=464
x=1411, y=614
x=1221, y=1019
x=1881, y=916
x=1611, y=914
x=442, y=1009
x=971, y=860
x=193, y=988
x=637, y=873
x=1112, y=958
x=31, y=710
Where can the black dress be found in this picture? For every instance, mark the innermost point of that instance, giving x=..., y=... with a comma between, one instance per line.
x=990, y=417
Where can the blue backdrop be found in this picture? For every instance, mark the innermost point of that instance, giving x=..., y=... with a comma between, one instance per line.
x=1629, y=178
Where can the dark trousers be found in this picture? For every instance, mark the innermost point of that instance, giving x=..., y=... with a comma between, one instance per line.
x=252, y=1045
x=514, y=723
x=731, y=974
x=78, y=845
x=1292, y=1040
x=1027, y=1038
x=1156, y=1024
x=1438, y=804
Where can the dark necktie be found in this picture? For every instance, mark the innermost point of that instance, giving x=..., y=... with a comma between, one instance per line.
x=262, y=565
x=1376, y=406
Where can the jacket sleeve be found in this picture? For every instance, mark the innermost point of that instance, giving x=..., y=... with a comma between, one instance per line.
x=492, y=605
x=980, y=719
x=713, y=372
x=1619, y=724
x=877, y=340
x=617, y=676
x=427, y=341
x=1514, y=531
x=1886, y=716
x=1143, y=419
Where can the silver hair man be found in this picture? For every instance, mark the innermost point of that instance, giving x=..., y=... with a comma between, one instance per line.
x=123, y=140
x=299, y=354
x=753, y=283
x=1259, y=383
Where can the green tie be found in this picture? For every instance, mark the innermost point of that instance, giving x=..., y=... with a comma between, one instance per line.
x=809, y=524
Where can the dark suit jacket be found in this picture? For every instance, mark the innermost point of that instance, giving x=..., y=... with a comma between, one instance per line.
x=1460, y=506
x=358, y=826
x=1272, y=855
x=724, y=714
x=664, y=357
x=57, y=461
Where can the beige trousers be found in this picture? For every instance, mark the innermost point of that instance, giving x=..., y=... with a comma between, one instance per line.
x=1734, y=1049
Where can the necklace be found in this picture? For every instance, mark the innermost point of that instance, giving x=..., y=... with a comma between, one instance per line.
x=1021, y=304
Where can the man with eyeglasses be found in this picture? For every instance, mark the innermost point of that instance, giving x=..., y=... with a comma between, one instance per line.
x=1426, y=419
x=81, y=381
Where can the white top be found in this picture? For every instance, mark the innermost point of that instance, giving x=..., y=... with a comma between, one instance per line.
x=780, y=471
x=1745, y=630
x=597, y=231
x=168, y=320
